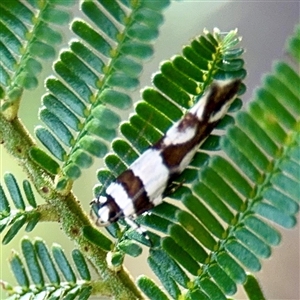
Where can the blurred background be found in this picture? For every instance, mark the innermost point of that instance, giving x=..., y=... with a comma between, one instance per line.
x=264, y=26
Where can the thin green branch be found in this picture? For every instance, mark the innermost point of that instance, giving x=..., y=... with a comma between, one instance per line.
x=18, y=142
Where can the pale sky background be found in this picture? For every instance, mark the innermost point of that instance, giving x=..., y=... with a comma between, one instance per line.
x=264, y=25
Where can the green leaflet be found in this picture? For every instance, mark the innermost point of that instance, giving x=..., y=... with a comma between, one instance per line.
x=180, y=255
x=185, y=241
x=14, y=191
x=253, y=289
x=97, y=238
x=130, y=248
x=49, y=141
x=14, y=229
x=176, y=272
x=4, y=204
x=47, y=262
x=19, y=271
x=63, y=264
x=32, y=263
x=68, y=99
x=29, y=193
x=150, y=288
x=211, y=289
x=102, y=21
x=195, y=228
x=223, y=280
x=57, y=126
x=231, y=267
x=168, y=282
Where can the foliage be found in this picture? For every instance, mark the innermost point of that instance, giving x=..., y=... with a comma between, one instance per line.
x=38, y=259
x=201, y=250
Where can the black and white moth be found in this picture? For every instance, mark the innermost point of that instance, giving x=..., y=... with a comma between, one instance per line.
x=142, y=185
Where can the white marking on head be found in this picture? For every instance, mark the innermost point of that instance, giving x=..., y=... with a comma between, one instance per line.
x=118, y=193
x=102, y=199
x=153, y=173
x=174, y=136
x=103, y=214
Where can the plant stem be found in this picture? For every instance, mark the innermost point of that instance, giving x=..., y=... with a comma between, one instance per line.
x=18, y=142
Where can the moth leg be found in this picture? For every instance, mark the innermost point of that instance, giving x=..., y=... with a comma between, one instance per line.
x=137, y=227
x=172, y=188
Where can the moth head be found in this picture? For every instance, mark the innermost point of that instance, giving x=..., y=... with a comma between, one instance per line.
x=103, y=210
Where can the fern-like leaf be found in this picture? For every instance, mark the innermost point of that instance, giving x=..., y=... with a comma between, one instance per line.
x=27, y=37
x=23, y=214
x=93, y=78
x=60, y=280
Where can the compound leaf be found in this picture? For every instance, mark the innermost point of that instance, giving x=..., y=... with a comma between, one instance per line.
x=94, y=78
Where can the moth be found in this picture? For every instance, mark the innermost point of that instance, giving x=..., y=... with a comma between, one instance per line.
x=142, y=185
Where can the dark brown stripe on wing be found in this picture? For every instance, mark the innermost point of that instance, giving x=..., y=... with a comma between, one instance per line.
x=174, y=154
x=135, y=190
x=217, y=98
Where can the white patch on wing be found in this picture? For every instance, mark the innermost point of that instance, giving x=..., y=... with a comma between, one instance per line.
x=222, y=83
x=175, y=137
x=199, y=108
x=153, y=173
x=120, y=196
x=187, y=159
x=221, y=113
